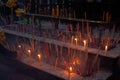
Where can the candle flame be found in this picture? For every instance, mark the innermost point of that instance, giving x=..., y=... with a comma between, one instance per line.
x=19, y=46
x=106, y=47
x=84, y=42
x=39, y=56
x=70, y=69
x=74, y=63
x=75, y=39
x=29, y=51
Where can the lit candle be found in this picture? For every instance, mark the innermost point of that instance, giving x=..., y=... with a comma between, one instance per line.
x=39, y=56
x=85, y=43
x=70, y=70
x=29, y=52
x=106, y=48
x=76, y=41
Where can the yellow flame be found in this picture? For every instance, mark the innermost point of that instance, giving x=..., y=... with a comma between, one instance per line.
x=84, y=41
x=39, y=56
x=29, y=51
x=106, y=47
x=75, y=39
x=70, y=69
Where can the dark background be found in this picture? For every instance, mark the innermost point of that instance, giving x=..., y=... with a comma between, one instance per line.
x=94, y=9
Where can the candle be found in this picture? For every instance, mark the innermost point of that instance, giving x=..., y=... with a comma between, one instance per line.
x=85, y=43
x=76, y=41
x=70, y=70
x=29, y=52
x=39, y=56
x=106, y=48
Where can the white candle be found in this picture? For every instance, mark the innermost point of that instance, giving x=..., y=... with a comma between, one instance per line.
x=106, y=48
x=76, y=41
x=29, y=52
x=70, y=70
x=39, y=56
x=85, y=43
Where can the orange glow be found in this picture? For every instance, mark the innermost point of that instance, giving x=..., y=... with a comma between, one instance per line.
x=106, y=47
x=70, y=69
x=72, y=39
x=84, y=43
x=74, y=63
x=77, y=61
x=75, y=39
x=29, y=51
x=39, y=56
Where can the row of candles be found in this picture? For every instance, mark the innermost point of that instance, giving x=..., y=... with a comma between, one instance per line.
x=85, y=44
x=39, y=56
x=70, y=68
